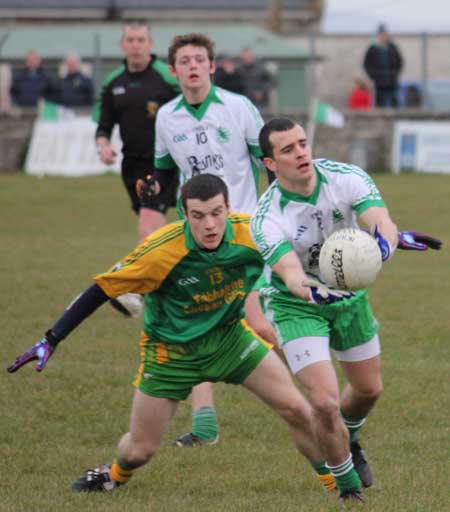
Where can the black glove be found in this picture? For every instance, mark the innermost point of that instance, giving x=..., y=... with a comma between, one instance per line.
x=146, y=189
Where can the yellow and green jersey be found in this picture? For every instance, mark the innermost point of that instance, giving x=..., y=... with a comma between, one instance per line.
x=189, y=291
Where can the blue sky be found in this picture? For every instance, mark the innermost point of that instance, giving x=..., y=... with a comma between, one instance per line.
x=363, y=16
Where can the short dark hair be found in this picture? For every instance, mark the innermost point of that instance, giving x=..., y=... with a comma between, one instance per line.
x=277, y=124
x=135, y=24
x=203, y=187
x=194, y=39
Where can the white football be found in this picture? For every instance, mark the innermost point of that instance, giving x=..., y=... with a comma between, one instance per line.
x=350, y=259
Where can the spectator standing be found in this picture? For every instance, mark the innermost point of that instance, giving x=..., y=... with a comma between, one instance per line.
x=32, y=82
x=360, y=97
x=383, y=63
x=258, y=82
x=76, y=89
x=228, y=77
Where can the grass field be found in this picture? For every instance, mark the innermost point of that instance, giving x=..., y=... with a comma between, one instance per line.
x=55, y=233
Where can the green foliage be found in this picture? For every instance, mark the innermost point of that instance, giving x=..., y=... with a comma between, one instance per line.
x=57, y=232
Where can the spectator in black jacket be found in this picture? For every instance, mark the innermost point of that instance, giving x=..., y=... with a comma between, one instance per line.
x=383, y=63
x=76, y=89
x=32, y=82
x=228, y=77
x=258, y=82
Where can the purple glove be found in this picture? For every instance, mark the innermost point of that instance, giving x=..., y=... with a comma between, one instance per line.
x=414, y=241
x=322, y=295
x=383, y=244
x=41, y=351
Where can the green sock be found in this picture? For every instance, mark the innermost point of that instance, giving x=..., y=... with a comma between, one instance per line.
x=324, y=476
x=320, y=467
x=345, y=475
x=204, y=423
x=353, y=425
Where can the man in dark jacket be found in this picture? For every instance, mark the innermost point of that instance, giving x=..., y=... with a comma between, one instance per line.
x=228, y=77
x=76, y=89
x=258, y=82
x=383, y=63
x=31, y=83
x=130, y=97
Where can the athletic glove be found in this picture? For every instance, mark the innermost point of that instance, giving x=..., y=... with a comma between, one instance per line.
x=42, y=351
x=322, y=295
x=383, y=244
x=146, y=189
x=414, y=241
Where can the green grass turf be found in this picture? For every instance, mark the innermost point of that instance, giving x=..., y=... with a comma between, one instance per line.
x=57, y=232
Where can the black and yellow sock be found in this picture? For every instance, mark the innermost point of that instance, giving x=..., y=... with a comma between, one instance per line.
x=324, y=476
x=204, y=423
x=121, y=472
x=345, y=475
x=353, y=425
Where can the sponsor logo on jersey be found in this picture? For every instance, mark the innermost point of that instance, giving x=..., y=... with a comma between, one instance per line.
x=118, y=90
x=313, y=257
x=206, y=163
x=223, y=134
x=337, y=215
x=152, y=107
x=188, y=280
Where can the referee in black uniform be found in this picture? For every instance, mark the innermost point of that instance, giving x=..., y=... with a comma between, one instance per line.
x=130, y=97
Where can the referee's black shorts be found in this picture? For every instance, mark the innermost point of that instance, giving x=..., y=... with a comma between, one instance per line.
x=134, y=168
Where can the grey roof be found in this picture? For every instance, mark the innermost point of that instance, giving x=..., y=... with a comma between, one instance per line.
x=54, y=41
x=152, y=4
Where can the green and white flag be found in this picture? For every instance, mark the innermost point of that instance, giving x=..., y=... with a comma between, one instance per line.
x=326, y=114
x=49, y=111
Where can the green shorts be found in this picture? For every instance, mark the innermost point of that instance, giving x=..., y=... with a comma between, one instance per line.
x=227, y=354
x=347, y=324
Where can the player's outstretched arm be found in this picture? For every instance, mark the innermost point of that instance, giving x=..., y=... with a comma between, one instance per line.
x=321, y=294
x=415, y=241
x=85, y=304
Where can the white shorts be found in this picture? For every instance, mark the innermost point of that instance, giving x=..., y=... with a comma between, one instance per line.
x=303, y=352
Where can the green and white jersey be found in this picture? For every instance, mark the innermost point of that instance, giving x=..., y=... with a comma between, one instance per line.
x=189, y=291
x=219, y=137
x=285, y=221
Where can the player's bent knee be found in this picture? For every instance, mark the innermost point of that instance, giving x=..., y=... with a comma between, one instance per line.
x=326, y=405
x=371, y=390
x=296, y=412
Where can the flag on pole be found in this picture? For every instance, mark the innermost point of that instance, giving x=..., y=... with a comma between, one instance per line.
x=326, y=114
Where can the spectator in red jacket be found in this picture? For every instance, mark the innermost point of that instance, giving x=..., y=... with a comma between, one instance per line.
x=360, y=97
